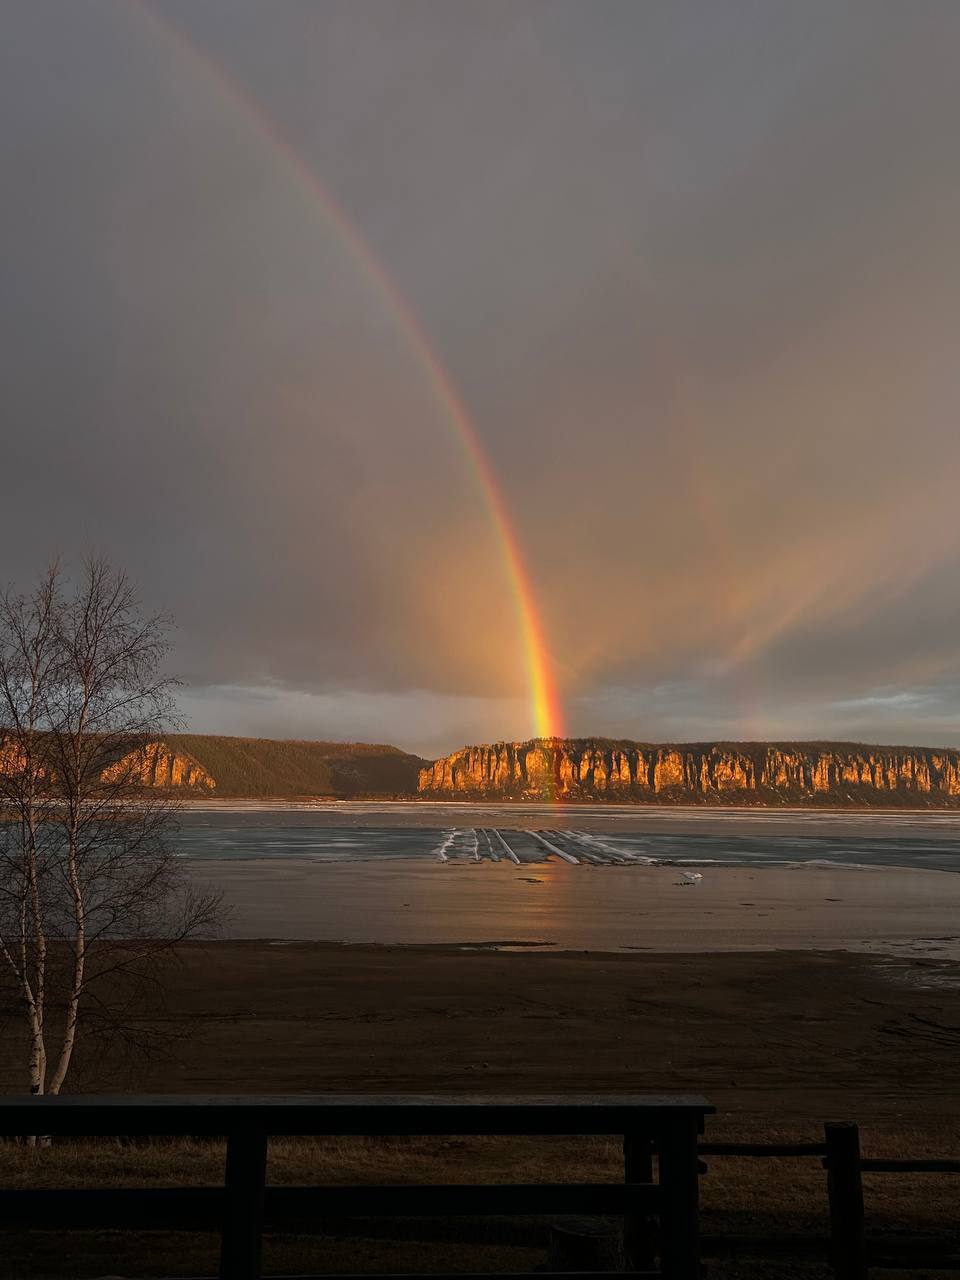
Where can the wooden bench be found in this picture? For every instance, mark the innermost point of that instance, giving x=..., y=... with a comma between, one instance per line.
x=668, y=1125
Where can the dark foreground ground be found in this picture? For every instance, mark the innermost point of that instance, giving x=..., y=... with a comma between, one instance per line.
x=776, y=1035
x=778, y=1041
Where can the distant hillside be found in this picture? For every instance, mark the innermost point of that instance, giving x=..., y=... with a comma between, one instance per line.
x=756, y=773
x=257, y=768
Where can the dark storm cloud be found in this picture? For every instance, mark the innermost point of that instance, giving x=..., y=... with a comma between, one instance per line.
x=691, y=265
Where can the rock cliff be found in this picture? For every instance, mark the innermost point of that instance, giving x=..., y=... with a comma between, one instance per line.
x=160, y=765
x=704, y=773
x=155, y=764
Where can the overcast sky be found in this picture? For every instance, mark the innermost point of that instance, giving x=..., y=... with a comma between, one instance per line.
x=692, y=267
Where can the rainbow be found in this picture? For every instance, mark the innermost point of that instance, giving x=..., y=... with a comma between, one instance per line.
x=545, y=705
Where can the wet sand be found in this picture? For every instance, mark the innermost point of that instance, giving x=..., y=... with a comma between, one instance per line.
x=423, y=902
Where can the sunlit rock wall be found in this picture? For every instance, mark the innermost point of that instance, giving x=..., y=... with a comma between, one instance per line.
x=158, y=765
x=746, y=773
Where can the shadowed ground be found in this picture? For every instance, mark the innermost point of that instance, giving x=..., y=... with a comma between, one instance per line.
x=780, y=1041
x=807, y=1034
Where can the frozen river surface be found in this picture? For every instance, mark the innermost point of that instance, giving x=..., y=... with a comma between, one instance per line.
x=589, y=835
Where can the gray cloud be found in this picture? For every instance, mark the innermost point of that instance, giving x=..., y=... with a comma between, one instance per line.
x=690, y=264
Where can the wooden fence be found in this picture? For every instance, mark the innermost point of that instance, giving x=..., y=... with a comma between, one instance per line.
x=658, y=1198
x=852, y=1253
x=670, y=1125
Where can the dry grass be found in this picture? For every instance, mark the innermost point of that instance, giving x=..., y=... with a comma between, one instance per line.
x=182, y=1162
x=155, y=1253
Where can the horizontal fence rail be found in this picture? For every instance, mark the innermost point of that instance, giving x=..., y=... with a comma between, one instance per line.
x=665, y=1211
x=345, y=1115
x=910, y=1166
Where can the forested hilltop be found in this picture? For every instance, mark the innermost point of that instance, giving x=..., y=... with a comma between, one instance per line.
x=258, y=768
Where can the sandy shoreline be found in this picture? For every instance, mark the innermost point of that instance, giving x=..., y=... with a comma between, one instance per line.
x=419, y=902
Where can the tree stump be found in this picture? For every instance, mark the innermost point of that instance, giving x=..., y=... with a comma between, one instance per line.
x=585, y=1244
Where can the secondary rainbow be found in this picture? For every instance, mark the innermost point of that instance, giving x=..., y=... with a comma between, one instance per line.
x=545, y=705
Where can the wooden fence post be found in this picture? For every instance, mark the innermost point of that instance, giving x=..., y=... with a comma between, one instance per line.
x=680, y=1208
x=245, y=1178
x=638, y=1241
x=848, y=1245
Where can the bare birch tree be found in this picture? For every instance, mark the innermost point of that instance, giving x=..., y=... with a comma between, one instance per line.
x=90, y=891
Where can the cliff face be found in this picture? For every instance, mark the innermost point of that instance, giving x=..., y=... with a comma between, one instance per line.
x=711, y=772
x=156, y=764
x=159, y=765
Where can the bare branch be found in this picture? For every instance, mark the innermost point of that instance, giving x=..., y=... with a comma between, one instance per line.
x=89, y=888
